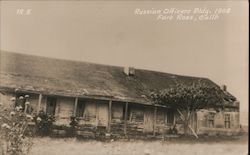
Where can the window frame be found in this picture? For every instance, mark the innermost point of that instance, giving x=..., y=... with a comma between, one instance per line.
x=210, y=119
x=227, y=121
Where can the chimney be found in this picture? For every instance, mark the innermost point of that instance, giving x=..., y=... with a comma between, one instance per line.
x=224, y=87
x=129, y=71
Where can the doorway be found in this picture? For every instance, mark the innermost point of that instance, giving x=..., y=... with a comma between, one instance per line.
x=51, y=106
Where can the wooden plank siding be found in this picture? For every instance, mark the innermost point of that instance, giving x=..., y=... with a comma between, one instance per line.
x=118, y=117
x=129, y=118
x=161, y=122
x=135, y=124
x=90, y=114
x=102, y=114
x=95, y=115
x=65, y=109
x=149, y=120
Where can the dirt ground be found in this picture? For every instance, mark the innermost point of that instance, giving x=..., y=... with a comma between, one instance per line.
x=72, y=146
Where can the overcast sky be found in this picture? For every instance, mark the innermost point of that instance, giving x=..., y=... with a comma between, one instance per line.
x=109, y=32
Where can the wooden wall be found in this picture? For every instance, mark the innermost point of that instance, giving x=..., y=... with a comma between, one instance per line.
x=117, y=111
x=161, y=126
x=117, y=118
x=141, y=119
x=135, y=124
x=148, y=119
x=95, y=113
x=64, y=110
x=219, y=121
x=102, y=113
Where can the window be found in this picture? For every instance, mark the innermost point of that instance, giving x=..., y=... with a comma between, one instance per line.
x=51, y=106
x=210, y=119
x=227, y=120
x=118, y=111
x=80, y=109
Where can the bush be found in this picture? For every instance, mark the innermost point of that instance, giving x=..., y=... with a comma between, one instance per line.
x=73, y=126
x=14, y=123
x=44, y=123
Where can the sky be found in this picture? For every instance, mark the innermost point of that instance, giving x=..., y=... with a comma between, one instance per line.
x=109, y=32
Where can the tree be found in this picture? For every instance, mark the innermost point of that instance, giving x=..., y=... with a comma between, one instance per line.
x=189, y=98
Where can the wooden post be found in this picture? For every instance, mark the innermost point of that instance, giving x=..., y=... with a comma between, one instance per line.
x=39, y=102
x=125, y=118
x=155, y=111
x=58, y=108
x=97, y=115
x=109, y=115
x=25, y=108
x=75, y=108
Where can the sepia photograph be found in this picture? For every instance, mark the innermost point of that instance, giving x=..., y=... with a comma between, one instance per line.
x=124, y=77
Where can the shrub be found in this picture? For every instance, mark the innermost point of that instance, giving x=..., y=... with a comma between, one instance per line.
x=73, y=126
x=14, y=123
x=44, y=123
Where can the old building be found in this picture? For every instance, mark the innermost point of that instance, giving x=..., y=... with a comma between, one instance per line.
x=108, y=98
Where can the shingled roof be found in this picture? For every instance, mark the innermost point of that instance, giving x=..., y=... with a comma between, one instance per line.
x=81, y=79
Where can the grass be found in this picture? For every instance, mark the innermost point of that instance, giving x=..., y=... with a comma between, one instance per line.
x=177, y=146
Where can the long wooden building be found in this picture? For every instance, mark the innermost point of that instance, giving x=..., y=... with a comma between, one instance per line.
x=108, y=98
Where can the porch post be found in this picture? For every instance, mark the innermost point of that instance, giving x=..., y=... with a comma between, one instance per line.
x=39, y=102
x=126, y=118
x=75, y=108
x=109, y=115
x=155, y=111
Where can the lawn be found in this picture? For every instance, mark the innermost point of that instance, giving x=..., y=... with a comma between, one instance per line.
x=72, y=146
